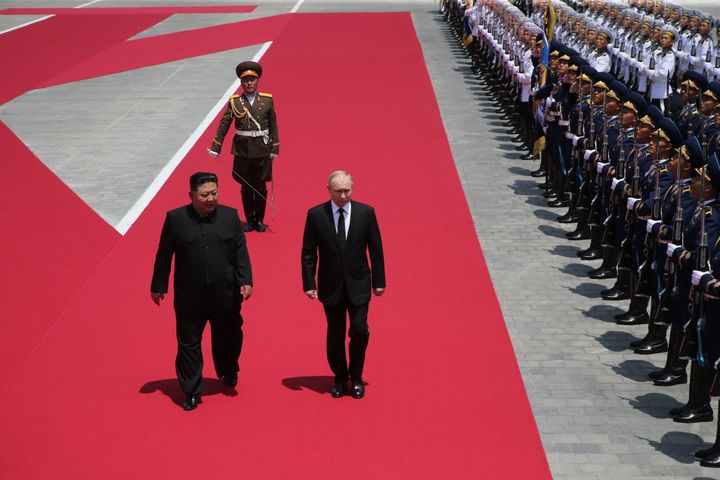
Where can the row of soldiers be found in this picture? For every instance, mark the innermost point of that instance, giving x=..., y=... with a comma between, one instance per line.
x=638, y=172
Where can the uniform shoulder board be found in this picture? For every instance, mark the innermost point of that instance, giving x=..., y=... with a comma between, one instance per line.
x=263, y=94
x=663, y=169
x=234, y=96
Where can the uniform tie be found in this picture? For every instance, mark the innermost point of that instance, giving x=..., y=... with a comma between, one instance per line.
x=341, y=238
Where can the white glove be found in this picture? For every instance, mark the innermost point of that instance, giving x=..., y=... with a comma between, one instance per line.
x=671, y=248
x=697, y=275
x=615, y=182
x=273, y=156
x=631, y=203
x=573, y=138
x=649, y=225
x=600, y=166
x=577, y=140
x=587, y=154
x=212, y=154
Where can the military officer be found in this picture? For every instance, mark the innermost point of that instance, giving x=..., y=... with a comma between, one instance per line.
x=255, y=144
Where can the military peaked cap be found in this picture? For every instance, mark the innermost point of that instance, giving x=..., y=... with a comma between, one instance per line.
x=246, y=69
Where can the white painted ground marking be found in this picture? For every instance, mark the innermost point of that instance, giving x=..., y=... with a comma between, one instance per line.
x=46, y=17
x=136, y=210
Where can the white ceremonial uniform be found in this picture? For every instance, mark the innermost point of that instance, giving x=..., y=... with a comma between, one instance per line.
x=664, y=70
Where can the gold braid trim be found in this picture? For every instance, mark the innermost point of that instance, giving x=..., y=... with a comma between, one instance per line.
x=235, y=111
x=216, y=141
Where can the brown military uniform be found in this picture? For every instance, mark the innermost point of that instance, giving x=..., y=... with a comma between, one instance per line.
x=252, y=167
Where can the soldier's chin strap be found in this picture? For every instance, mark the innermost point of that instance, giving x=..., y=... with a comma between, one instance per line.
x=272, y=188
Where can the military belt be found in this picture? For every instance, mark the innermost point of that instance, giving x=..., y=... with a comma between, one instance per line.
x=252, y=133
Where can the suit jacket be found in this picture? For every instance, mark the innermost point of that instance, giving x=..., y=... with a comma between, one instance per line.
x=211, y=260
x=263, y=111
x=347, y=269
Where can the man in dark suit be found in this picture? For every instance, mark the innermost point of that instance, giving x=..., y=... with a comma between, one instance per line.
x=212, y=278
x=255, y=144
x=339, y=234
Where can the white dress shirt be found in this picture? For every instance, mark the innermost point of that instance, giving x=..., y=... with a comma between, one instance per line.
x=251, y=98
x=346, y=215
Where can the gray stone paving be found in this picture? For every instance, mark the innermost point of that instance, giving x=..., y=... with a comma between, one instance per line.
x=597, y=416
x=109, y=137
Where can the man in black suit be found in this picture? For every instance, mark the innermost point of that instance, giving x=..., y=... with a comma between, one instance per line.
x=344, y=278
x=212, y=278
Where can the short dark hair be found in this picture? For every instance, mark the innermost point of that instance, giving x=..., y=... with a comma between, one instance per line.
x=197, y=179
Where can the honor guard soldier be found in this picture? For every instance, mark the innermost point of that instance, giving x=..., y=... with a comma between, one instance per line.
x=255, y=144
x=599, y=59
x=688, y=119
x=662, y=67
x=707, y=283
x=699, y=243
x=703, y=43
x=678, y=207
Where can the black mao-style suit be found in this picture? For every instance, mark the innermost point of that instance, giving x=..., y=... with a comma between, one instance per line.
x=344, y=280
x=211, y=263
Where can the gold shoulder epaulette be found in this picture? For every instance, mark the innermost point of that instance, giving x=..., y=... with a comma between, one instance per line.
x=234, y=96
x=263, y=94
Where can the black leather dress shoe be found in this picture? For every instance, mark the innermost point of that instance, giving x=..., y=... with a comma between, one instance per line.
x=695, y=415
x=655, y=374
x=568, y=218
x=642, y=341
x=527, y=156
x=626, y=315
x=248, y=226
x=591, y=255
x=604, y=273
x=559, y=203
x=670, y=379
x=358, y=390
x=260, y=226
x=616, y=294
x=652, y=347
x=578, y=235
x=712, y=459
x=641, y=319
x=230, y=379
x=338, y=390
x=191, y=402
x=538, y=173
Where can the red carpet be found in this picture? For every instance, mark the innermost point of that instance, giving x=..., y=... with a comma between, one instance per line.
x=52, y=242
x=145, y=52
x=40, y=51
x=445, y=398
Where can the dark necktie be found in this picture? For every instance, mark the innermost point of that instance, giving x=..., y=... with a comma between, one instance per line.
x=341, y=238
